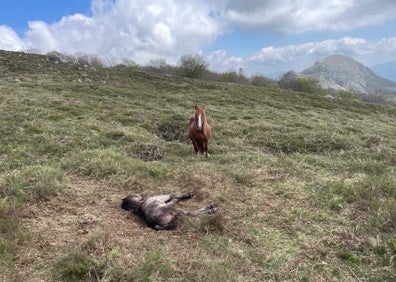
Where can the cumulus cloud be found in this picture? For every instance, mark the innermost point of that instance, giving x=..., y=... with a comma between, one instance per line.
x=221, y=61
x=296, y=16
x=273, y=61
x=132, y=29
x=9, y=39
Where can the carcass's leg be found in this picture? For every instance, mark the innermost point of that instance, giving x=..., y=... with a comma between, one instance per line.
x=211, y=208
x=161, y=198
x=176, y=198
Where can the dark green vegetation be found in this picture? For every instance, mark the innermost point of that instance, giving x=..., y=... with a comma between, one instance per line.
x=306, y=184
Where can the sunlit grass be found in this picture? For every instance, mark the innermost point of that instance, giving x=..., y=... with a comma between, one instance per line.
x=305, y=185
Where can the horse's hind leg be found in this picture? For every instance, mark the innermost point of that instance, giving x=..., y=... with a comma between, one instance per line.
x=162, y=198
x=183, y=196
x=176, y=198
x=211, y=208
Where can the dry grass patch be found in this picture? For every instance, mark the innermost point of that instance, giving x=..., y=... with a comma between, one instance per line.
x=85, y=223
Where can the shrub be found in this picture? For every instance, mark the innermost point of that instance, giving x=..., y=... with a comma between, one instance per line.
x=192, y=66
x=290, y=80
x=234, y=77
x=231, y=76
x=159, y=66
x=261, y=81
x=309, y=85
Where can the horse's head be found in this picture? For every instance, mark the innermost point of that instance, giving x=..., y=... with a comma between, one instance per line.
x=200, y=117
x=132, y=202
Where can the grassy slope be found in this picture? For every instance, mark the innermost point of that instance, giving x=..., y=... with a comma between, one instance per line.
x=306, y=185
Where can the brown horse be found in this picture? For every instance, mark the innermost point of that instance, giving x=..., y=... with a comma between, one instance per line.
x=200, y=131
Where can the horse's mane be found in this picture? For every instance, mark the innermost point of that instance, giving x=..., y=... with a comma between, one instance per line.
x=201, y=111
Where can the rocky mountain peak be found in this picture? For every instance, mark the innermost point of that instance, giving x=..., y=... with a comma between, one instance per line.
x=341, y=72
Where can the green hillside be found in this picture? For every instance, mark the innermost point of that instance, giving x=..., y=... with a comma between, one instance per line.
x=305, y=184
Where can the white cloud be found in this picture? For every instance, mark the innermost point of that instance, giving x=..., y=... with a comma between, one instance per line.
x=9, y=39
x=130, y=29
x=270, y=60
x=296, y=16
x=220, y=61
x=168, y=29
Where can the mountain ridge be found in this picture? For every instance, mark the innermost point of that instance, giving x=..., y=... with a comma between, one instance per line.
x=386, y=70
x=344, y=73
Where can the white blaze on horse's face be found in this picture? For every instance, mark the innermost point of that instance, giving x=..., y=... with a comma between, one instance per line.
x=199, y=126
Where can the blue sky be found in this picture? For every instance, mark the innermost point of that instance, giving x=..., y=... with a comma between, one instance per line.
x=263, y=37
x=17, y=13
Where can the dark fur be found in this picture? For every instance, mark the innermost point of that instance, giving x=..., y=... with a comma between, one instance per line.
x=158, y=212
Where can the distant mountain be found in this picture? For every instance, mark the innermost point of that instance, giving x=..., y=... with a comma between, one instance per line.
x=341, y=72
x=387, y=70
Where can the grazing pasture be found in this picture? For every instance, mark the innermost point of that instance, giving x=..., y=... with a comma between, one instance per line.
x=305, y=185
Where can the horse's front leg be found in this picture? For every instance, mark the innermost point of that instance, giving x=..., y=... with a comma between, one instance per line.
x=207, y=149
x=196, y=147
